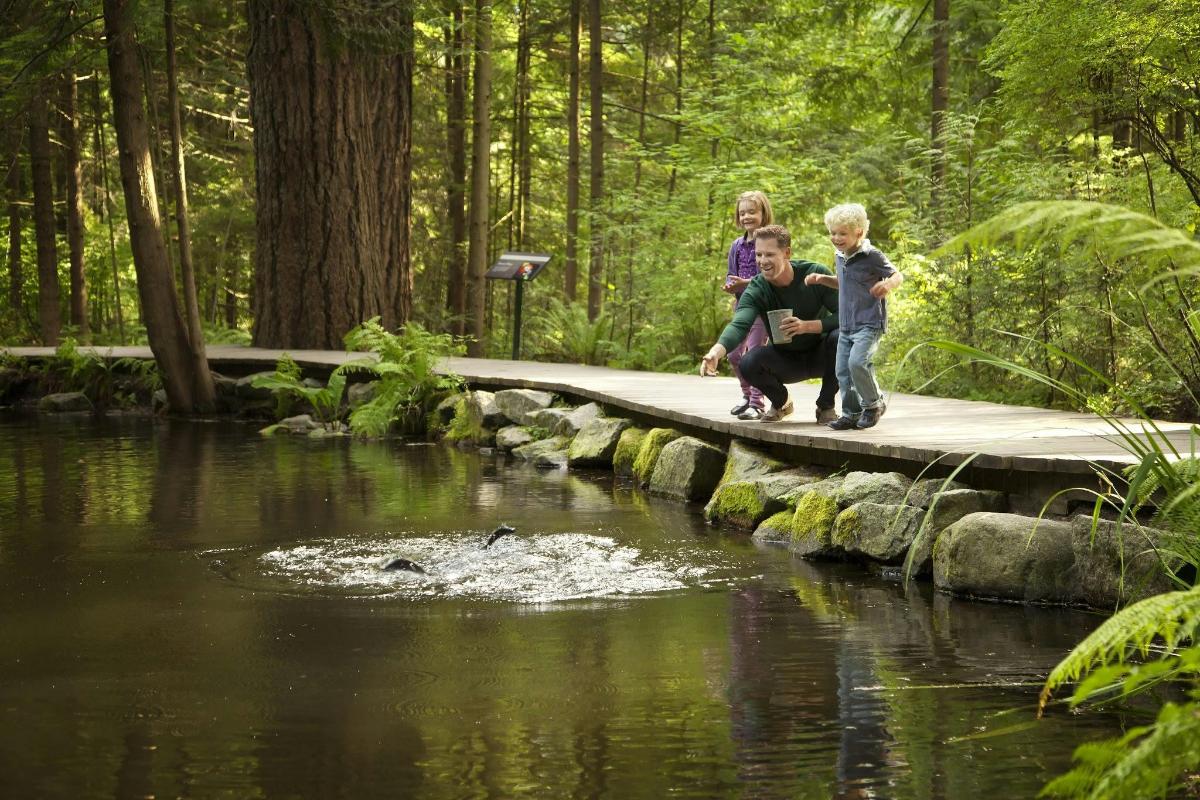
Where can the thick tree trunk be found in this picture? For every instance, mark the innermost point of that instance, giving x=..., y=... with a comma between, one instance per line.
x=571, y=268
x=940, y=104
x=456, y=144
x=480, y=176
x=330, y=156
x=15, y=184
x=596, y=146
x=156, y=285
x=678, y=125
x=205, y=393
x=79, y=294
x=49, y=317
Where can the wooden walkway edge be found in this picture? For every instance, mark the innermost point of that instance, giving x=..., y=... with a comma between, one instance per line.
x=1027, y=444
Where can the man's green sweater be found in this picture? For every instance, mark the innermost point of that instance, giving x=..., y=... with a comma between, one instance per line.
x=806, y=302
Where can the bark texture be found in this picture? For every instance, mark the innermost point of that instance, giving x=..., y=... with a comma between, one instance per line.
x=456, y=190
x=49, y=316
x=571, y=270
x=331, y=140
x=183, y=377
x=79, y=294
x=15, y=184
x=596, y=189
x=480, y=176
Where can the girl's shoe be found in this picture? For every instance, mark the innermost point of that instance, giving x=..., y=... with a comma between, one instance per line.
x=751, y=413
x=741, y=407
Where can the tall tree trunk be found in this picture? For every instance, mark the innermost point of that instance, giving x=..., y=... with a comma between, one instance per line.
x=456, y=144
x=49, y=317
x=678, y=94
x=156, y=286
x=204, y=392
x=79, y=294
x=15, y=184
x=481, y=144
x=940, y=105
x=329, y=143
x=571, y=269
x=523, y=155
x=102, y=147
x=596, y=146
x=400, y=256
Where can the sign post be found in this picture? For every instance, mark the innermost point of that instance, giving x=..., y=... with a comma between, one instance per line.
x=519, y=268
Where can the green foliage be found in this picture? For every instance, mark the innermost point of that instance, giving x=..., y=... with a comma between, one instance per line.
x=286, y=382
x=406, y=366
x=562, y=332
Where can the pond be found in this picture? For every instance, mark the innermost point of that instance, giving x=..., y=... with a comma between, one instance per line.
x=188, y=609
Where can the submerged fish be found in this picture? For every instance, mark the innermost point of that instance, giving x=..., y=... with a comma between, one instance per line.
x=403, y=565
x=503, y=530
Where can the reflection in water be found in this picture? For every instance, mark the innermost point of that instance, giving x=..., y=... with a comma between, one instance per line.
x=191, y=610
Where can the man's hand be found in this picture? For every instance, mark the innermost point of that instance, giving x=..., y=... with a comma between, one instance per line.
x=708, y=364
x=793, y=326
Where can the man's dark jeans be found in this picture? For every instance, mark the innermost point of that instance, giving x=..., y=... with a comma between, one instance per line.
x=768, y=369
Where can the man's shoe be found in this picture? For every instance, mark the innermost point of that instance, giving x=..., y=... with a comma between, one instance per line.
x=870, y=416
x=777, y=414
x=751, y=413
x=844, y=423
x=741, y=407
x=826, y=415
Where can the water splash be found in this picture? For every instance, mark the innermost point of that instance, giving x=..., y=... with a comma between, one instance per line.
x=525, y=569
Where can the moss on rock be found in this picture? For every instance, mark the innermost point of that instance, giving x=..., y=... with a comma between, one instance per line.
x=653, y=443
x=739, y=504
x=812, y=525
x=628, y=447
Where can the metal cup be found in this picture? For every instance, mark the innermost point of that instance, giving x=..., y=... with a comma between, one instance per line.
x=775, y=317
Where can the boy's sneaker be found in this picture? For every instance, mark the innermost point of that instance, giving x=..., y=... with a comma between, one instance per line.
x=738, y=410
x=826, y=415
x=844, y=423
x=751, y=413
x=777, y=414
x=870, y=416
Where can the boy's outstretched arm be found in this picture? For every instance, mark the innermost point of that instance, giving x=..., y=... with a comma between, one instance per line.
x=815, y=278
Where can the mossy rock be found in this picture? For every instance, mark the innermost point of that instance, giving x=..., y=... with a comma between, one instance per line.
x=653, y=443
x=627, y=450
x=827, y=486
x=743, y=463
x=512, y=436
x=746, y=503
x=467, y=427
x=776, y=529
x=876, y=532
x=687, y=469
x=812, y=526
x=1007, y=557
x=596, y=442
x=885, y=488
x=517, y=404
x=544, y=451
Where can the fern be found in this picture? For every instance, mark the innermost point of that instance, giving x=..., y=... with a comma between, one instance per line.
x=285, y=383
x=406, y=366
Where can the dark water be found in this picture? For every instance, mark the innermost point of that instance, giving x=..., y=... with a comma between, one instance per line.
x=188, y=610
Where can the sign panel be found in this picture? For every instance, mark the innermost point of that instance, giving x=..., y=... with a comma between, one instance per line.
x=517, y=267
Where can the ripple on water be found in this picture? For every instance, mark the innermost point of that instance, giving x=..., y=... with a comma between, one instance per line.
x=524, y=569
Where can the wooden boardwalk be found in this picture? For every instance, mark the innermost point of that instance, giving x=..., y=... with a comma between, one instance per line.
x=1017, y=446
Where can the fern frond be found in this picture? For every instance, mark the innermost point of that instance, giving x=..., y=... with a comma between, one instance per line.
x=1172, y=616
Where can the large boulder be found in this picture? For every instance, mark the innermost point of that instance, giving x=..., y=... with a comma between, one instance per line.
x=444, y=412
x=826, y=486
x=547, y=419
x=812, y=526
x=483, y=412
x=574, y=420
x=776, y=529
x=885, y=488
x=948, y=507
x=64, y=403
x=517, y=403
x=544, y=452
x=656, y=439
x=687, y=469
x=924, y=489
x=627, y=450
x=746, y=503
x=1118, y=564
x=875, y=531
x=744, y=463
x=1003, y=556
x=512, y=436
x=596, y=442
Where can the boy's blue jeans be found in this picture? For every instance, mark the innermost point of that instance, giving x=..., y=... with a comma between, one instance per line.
x=855, y=367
